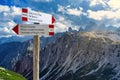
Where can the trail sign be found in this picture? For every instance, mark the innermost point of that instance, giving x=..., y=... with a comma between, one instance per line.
x=35, y=16
x=34, y=29
x=42, y=29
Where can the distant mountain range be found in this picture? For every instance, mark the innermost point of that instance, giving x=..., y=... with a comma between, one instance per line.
x=72, y=55
x=91, y=53
x=90, y=26
x=10, y=51
x=14, y=49
x=79, y=56
x=14, y=39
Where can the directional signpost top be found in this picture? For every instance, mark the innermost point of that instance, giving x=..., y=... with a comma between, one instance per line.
x=44, y=28
x=38, y=17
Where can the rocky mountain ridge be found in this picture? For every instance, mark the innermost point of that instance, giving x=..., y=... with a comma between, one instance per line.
x=81, y=56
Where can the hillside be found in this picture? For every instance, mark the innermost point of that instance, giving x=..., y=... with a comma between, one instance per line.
x=9, y=75
x=81, y=56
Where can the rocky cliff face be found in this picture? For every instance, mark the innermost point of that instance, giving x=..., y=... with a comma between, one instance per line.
x=82, y=56
x=10, y=53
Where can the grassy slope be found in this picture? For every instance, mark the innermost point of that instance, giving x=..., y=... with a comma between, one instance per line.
x=9, y=75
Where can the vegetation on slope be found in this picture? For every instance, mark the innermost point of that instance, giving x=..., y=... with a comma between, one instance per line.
x=9, y=75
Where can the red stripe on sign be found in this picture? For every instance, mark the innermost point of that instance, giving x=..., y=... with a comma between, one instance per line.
x=53, y=19
x=51, y=26
x=51, y=33
x=24, y=10
x=24, y=19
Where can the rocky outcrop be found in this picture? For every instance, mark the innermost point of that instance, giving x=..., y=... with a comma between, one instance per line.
x=13, y=52
x=81, y=56
x=24, y=67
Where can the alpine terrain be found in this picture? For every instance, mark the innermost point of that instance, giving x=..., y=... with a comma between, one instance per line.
x=9, y=75
x=76, y=56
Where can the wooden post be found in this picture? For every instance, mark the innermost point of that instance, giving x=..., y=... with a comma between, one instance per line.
x=36, y=58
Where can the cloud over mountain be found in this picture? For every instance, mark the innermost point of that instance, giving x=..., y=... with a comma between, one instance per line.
x=75, y=13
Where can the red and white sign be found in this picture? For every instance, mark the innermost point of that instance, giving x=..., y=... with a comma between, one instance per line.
x=38, y=17
x=34, y=29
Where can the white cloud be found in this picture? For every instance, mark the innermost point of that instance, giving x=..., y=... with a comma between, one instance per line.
x=11, y=23
x=61, y=18
x=110, y=14
x=60, y=27
x=68, y=6
x=70, y=11
x=107, y=17
x=75, y=28
x=61, y=9
x=102, y=14
x=62, y=24
x=75, y=11
x=76, y=2
x=108, y=4
x=42, y=0
x=7, y=15
x=10, y=11
x=15, y=10
x=7, y=29
x=98, y=15
x=97, y=2
x=4, y=8
x=114, y=4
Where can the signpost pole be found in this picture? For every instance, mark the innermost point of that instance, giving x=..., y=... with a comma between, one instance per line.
x=36, y=58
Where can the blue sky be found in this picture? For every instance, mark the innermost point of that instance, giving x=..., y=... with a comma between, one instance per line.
x=68, y=13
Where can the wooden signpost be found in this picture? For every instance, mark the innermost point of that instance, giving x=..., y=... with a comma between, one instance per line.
x=44, y=27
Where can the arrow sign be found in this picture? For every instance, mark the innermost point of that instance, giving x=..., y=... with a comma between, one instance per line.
x=38, y=17
x=34, y=29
